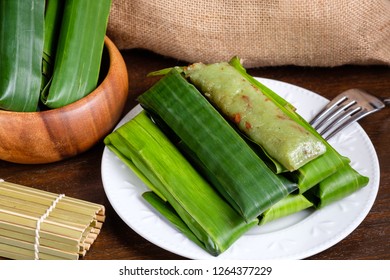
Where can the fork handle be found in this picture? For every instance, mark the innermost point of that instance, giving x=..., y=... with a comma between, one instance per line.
x=386, y=101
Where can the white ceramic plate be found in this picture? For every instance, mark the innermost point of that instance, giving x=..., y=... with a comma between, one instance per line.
x=295, y=237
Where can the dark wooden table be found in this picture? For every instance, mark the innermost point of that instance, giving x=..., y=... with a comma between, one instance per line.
x=80, y=176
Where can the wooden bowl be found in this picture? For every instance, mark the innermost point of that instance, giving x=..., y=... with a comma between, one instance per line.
x=57, y=134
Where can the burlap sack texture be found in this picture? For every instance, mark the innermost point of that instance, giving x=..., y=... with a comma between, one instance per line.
x=261, y=32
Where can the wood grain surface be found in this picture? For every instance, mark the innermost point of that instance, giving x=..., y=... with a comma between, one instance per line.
x=80, y=176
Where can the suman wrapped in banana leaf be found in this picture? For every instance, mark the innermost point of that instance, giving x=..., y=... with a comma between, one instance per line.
x=341, y=184
x=253, y=194
x=331, y=173
x=291, y=204
x=268, y=120
x=183, y=196
x=335, y=187
x=259, y=118
x=231, y=165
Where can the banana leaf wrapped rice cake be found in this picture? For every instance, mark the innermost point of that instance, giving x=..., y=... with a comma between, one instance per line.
x=228, y=162
x=206, y=176
x=179, y=192
x=255, y=114
x=287, y=140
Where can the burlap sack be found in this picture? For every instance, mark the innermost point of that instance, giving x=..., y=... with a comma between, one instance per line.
x=262, y=32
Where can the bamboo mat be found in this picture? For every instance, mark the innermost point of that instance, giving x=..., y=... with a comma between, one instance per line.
x=36, y=224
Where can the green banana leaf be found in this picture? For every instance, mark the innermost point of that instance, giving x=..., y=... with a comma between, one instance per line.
x=21, y=47
x=205, y=217
x=79, y=52
x=293, y=203
x=271, y=162
x=167, y=211
x=53, y=17
x=118, y=145
x=326, y=179
x=311, y=173
x=334, y=187
x=229, y=163
x=318, y=174
x=340, y=185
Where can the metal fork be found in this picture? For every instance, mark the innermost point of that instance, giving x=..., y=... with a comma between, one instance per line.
x=345, y=109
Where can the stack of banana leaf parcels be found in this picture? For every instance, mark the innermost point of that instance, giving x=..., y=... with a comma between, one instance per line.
x=222, y=153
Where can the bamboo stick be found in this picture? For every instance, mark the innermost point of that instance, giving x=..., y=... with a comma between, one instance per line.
x=14, y=253
x=43, y=234
x=42, y=249
x=24, y=254
x=46, y=225
x=42, y=242
x=18, y=205
x=46, y=198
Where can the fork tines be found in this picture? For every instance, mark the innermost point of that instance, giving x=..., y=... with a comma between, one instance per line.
x=346, y=108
